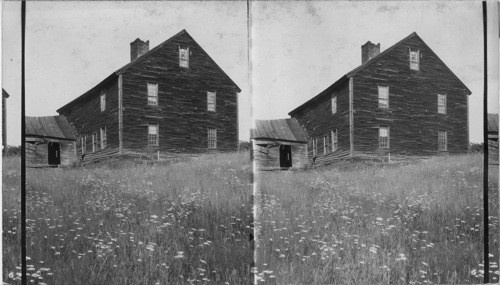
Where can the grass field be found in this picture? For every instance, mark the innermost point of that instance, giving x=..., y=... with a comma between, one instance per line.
x=132, y=224
x=375, y=224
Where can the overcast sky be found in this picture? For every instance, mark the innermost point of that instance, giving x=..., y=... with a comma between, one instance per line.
x=298, y=48
x=72, y=46
x=301, y=48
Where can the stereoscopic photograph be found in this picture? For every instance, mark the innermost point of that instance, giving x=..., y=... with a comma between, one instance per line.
x=250, y=142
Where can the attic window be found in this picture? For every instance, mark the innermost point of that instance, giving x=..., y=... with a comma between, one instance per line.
x=153, y=94
x=184, y=57
x=334, y=104
x=383, y=96
x=414, y=59
x=441, y=103
x=103, y=101
x=211, y=97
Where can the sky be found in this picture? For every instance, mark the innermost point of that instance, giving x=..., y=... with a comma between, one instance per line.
x=72, y=46
x=298, y=48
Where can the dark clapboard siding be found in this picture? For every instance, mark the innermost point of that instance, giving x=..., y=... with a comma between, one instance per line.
x=412, y=114
x=85, y=116
x=318, y=121
x=182, y=102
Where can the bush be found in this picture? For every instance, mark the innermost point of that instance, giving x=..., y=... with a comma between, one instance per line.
x=476, y=147
x=12, y=150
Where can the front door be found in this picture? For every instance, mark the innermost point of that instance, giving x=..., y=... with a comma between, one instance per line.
x=285, y=156
x=54, y=153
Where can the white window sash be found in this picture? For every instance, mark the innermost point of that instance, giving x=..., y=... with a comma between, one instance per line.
x=334, y=105
x=103, y=102
x=184, y=57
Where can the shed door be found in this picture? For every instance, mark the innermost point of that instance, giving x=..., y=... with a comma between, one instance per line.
x=54, y=153
x=285, y=156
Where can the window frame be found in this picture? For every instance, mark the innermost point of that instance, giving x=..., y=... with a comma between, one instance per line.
x=315, y=146
x=83, y=141
x=381, y=143
x=103, y=101
x=444, y=108
x=212, y=138
x=155, y=96
x=209, y=109
x=103, y=137
x=440, y=140
x=94, y=142
x=415, y=65
x=335, y=141
x=182, y=60
x=334, y=105
x=382, y=100
x=154, y=137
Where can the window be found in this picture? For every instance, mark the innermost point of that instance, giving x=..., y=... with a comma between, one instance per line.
x=103, y=101
x=334, y=104
x=153, y=135
x=94, y=142
x=184, y=57
x=315, y=146
x=211, y=97
x=335, y=141
x=414, y=59
x=383, y=137
x=326, y=144
x=442, y=140
x=103, y=138
x=441, y=104
x=383, y=96
x=153, y=94
x=84, y=144
x=212, y=138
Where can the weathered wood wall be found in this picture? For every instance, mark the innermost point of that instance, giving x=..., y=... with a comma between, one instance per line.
x=318, y=121
x=268, y=158
x=37, y=152
x=181, y=113
x=86, y=118
x=412, y=115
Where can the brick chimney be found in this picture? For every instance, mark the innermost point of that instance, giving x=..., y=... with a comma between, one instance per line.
x=138, y=48
x=369, y=51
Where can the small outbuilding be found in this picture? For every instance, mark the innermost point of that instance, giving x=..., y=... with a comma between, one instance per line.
x=279, y=144
x=50, y=141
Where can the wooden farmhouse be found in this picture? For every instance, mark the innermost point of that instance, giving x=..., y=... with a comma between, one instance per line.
x=170, y=100
x=279, y=144
x=402, y=101
x=49, y=142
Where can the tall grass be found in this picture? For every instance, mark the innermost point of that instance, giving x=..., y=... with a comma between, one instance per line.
x=139, y=224
x=414, y=224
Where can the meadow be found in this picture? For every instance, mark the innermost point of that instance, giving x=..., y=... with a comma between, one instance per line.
x=369, y=223
x=129, y=223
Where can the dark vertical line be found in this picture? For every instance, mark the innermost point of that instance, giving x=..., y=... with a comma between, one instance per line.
x=23, y=148
x=485, y=145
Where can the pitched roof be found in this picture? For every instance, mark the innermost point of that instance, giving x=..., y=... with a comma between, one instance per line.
x=362, y=66
x=5, y=94
x=281, y=129
x=140, y=59
x=492, y=123
x=55, y=127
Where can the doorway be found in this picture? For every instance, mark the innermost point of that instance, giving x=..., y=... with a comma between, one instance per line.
x=54, y=153
x=286, y=156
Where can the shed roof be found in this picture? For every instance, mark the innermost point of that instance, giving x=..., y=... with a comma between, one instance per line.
x=56, y=127
x=124, y=68
x=492, y=123
x=362, y=66
x=281, y=129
